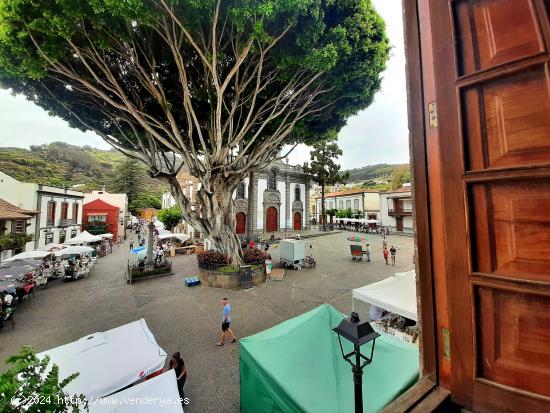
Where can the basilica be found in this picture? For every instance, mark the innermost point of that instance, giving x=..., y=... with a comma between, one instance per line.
x=279, y=195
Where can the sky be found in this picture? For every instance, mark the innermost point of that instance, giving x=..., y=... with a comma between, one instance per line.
x=378, y=134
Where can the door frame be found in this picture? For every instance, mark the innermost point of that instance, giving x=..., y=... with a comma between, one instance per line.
x=428, y=393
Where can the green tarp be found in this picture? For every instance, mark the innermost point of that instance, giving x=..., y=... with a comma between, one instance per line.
x=297, y=366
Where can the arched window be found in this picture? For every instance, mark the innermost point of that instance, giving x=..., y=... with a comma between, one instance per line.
x=348, y=204
x=272, y=180
x=330, y=205
x=356, y=204
x=297, y=193
x=240, y=190
x=341, y=205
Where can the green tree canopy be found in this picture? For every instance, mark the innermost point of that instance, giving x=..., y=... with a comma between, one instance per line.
x=219, y=86
x=323, y=168
x=170, y=216
x=400, y=175
x=129, y=178
x=145, y=200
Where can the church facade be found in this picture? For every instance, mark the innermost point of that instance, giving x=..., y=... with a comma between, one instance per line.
x=279, y=197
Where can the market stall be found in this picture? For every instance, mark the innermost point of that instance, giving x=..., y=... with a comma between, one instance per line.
x=108, y=361
x=396, y=294
x=26, y=255
x=297, y=366
x=83, y=238
x=160, y=392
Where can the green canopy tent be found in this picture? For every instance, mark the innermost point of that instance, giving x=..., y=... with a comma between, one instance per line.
x=297, y=366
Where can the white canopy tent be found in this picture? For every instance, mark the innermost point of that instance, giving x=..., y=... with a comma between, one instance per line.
x=106, y=236
x=158, y=224
x=52, y=246
x=83, y=238
x=33, y=255
x=74, y=249
x=108, y=361
x=181, y=237
x=396, y=294
x=159, y=394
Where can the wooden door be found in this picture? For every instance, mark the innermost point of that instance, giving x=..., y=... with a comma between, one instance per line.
x=399, y=224
x=493, y=118
x=271, y=219
x=241, y=223
x=297, y=221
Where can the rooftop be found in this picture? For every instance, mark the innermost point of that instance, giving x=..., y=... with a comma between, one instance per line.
x=9, y=211
x=347, y=192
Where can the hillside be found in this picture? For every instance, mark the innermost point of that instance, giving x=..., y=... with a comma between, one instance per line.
x=64, y=165
x=373, y=172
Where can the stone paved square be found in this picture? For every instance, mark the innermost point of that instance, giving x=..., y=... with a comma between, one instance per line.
x=188, y=319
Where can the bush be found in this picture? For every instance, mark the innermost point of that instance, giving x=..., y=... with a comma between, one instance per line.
x=205, y=258
x=252, y=256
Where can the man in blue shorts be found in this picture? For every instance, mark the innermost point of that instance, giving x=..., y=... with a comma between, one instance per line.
x=226, y=321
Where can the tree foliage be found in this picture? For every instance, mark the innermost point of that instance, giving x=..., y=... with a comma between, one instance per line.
x=218, y=86
x=323, y=168
x=170, y=216
x=400, y=176
x=145, y=200
x=31, y=386
x=129, y=178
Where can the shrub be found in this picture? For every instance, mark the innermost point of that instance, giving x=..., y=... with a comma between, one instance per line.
x=205, y=258
x=254, y=255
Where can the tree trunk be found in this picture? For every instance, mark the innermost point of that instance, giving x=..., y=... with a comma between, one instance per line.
x=323, y=215
x=216, y=217
x=250, y=207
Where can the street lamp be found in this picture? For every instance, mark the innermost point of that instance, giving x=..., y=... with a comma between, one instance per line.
x=358, y=333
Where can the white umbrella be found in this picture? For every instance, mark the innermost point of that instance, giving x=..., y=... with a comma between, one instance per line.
x=74, y=249
x=52, y=246
x=158, y=224
x=37, y=254
x=107, y=236
x=83, y=238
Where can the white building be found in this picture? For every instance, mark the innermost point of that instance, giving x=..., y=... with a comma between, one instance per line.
x=280, y=199
x=365, y=202
x=59, y=210
x=396, y=210
x=118, y=200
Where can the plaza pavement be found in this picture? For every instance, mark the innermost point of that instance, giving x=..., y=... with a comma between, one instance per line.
x=188, y=319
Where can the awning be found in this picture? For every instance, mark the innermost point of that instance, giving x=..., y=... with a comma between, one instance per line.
x=108, y=361
x=83, y=238
x=106, y=236
x=396, y=294
x=37, y=254
x=181, y=237
x=159, y=394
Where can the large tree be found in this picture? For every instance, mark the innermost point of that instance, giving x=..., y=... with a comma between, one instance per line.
x=218, y=86
x=129, y=178
x=324, y=170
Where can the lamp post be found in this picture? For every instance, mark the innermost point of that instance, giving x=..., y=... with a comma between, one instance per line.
x=358, y=333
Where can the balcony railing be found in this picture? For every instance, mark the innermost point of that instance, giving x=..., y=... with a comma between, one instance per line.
x=400, y=212
x=66, y=222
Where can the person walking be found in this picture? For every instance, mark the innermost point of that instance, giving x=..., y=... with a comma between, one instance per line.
x=131, y=245
x=226, y=321
x=385, y=252
x=393, y=252
x=368, y=251
x=178, y=365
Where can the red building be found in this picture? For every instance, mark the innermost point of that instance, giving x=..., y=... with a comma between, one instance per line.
x=100, y=218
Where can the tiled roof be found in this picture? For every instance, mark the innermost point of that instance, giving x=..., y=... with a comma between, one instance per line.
x=348, y=192
x=402, y=189
x=9, y=211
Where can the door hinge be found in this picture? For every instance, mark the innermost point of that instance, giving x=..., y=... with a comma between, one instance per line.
x=446, y=343
x=432, y=110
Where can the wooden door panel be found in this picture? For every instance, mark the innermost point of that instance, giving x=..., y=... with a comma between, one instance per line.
x=492, y=32
x=271, y=219
x=493, y=107
x=506, y=121
x=240, y=219
x=511, y=229
x=297, y=221
x=514, y=337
